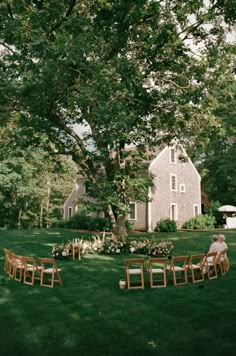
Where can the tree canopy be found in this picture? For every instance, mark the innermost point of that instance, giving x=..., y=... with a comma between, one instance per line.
x=133, y=72
x=34, y=182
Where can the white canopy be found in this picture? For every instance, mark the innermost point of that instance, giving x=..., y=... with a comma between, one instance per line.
x=227, y=208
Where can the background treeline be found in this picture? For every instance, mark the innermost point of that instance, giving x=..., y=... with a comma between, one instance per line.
x=34, y=181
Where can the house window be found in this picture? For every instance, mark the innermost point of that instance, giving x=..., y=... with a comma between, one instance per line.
x=173, y=182
x=196, y=209
x=182, y=188
x=172, y=155
x=174, y=212
x=69, y=212
x=132, y=211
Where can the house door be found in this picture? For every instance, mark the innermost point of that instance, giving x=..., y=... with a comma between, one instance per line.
x=174, y=212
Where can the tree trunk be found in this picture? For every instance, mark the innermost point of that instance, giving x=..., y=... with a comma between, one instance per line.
x=119, y=229
x=48, y=202
x=19, y=219
x=41, y=216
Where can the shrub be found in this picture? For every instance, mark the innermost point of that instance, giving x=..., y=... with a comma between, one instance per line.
x=98, y=224
x=129, y=226
x=85, y=222
x=166, y=225
x=213, y=211
x=200, y=222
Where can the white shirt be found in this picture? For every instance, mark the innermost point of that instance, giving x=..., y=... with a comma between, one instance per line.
x=216, y=246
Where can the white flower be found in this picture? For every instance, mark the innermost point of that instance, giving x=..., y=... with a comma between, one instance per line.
x=132, y=249
x=117, y=250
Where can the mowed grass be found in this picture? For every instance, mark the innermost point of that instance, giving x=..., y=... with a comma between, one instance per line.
x=90, y=315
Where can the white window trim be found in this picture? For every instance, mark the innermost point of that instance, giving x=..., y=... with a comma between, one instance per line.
x=196, y=206
x=135, y=212
x=173, y=150
x=182, y=188
x=176, y=217
x=70, y=208
x=173, y=175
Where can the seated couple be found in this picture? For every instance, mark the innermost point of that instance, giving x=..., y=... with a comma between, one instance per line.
x=218, y=243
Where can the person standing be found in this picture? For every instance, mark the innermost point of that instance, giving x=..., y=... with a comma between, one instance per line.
x=224, y=218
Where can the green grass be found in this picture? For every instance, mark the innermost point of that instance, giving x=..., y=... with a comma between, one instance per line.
x=90, y=315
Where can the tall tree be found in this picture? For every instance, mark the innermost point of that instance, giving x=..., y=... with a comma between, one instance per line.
x=217, y=160
x=124, y=69
x=33, y=182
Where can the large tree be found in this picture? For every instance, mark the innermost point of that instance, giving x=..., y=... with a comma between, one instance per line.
x=133, y=72
x=217, y=161
x=34, y=180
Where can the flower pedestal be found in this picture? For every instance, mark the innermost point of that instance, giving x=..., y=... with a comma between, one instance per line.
x=122, y=284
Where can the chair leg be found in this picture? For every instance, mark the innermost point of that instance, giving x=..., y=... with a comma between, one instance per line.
x=59, y=278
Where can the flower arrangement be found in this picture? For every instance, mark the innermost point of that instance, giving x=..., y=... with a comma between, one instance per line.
x=61, y=249
x=108, y=245
x=160, y=249
x=64, y=249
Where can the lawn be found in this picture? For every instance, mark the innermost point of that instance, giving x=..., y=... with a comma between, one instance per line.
x=90, y=315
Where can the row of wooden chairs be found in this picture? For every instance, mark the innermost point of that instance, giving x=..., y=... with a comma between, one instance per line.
x=180, y=269
x=25, y=269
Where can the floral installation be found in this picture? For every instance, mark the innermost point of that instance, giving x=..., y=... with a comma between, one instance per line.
x=64, y=249
x=160, y=249
x=109, y=246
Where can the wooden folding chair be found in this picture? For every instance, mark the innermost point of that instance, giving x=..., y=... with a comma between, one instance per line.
x=195, y=267
x=157, y=272
x=18, y=267
x=49, y=268
x=226, y=264
x=178, y=269
x=76, y=248
x=8, y=264
x=134, y=268
x=31, y=270
x=210, y=265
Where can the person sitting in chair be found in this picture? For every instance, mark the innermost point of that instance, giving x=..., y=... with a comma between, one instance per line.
x=216, y=245
x=221, y=239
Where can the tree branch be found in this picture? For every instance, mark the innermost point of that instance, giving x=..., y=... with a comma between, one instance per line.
x=67, y=14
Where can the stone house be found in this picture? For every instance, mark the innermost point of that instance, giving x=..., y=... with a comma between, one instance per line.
x=175, y=194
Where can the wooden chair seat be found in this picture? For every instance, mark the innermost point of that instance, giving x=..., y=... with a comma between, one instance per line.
x=32, y=271
x=178, y=270
x=49, y=268
x=18, y=267
x=134, y=267
x=157, y=272
x=195, y=267
x=210, y=265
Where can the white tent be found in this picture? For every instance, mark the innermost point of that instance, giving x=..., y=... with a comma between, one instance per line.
x=227, y=208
